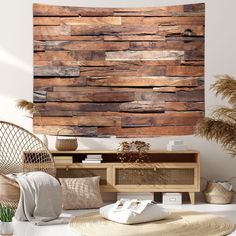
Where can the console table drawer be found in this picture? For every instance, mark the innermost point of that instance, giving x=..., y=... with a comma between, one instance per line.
x=154, y=176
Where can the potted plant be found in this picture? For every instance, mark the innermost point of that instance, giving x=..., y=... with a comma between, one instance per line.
x=6, y=224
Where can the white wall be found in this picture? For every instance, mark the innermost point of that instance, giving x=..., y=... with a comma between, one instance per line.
x=16, y=78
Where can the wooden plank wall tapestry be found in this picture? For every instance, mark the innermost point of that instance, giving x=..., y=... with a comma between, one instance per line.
x=124, y=72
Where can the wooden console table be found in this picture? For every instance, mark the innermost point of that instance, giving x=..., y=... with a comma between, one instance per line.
x=166, y=171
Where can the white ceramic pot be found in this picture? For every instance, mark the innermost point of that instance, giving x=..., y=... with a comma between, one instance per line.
x=6, y=227
x=43, y=138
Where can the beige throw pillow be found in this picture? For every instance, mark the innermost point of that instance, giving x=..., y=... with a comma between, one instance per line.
x=80, y=193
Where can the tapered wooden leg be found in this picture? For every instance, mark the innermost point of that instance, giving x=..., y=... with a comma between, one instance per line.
x=192, y=197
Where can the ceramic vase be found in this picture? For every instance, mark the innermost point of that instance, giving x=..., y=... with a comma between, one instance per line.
x=43, y=138
x=6, y=228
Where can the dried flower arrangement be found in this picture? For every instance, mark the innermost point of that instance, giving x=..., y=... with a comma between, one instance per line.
x=135, y=151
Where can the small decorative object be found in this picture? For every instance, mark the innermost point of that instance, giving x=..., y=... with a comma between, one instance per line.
x=176, y=142
x=176, y=145
x=135, y=151
x=43, y=138
x=6, y=225
x=172, y=198
x=219, y=192
x=66, y=144
x=222, y=125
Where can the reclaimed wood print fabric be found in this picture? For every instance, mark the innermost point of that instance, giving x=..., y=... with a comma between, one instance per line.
x=125, y=72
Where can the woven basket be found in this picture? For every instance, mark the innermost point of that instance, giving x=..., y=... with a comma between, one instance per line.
x=215, y=193
x=63, y=144
x=10, y=192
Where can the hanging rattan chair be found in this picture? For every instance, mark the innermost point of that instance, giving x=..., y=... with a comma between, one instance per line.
x=20, y=151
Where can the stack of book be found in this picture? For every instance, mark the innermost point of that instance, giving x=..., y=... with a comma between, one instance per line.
x=176, y=145
x=93, y=159
x=63, y=159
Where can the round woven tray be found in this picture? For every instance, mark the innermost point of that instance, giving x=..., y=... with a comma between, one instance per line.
x=177, y=224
